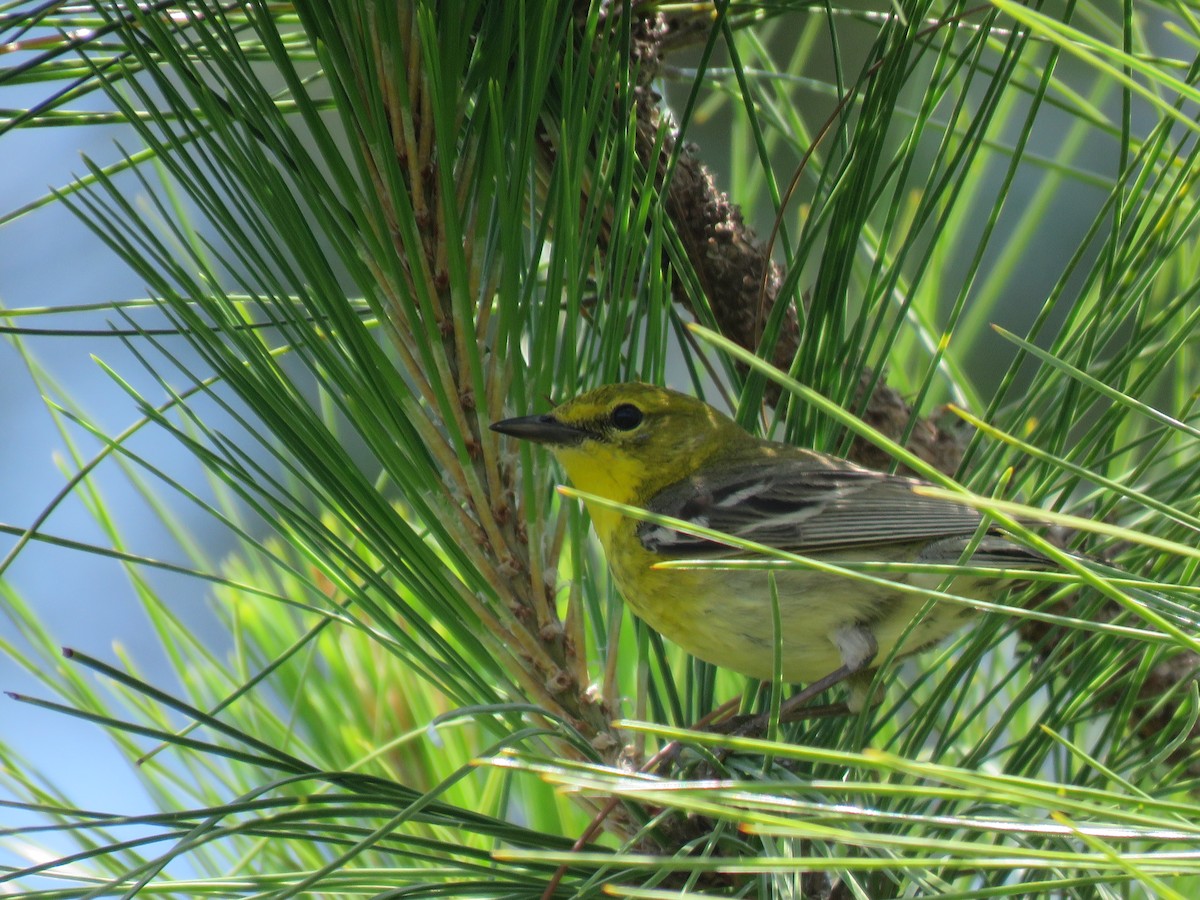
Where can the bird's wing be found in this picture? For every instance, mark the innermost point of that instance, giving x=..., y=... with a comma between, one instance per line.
x=801, y=505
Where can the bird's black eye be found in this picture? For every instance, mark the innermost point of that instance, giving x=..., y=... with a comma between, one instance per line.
x=626, y=417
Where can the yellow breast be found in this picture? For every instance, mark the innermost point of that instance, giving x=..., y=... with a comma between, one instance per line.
x=725, y=616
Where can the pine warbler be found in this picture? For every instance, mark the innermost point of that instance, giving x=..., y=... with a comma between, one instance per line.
x=674, y=455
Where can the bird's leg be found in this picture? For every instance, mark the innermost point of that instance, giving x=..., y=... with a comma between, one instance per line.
x=857, y=647
x=793, y=708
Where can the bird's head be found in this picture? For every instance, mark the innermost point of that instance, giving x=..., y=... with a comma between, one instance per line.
x=628, y=441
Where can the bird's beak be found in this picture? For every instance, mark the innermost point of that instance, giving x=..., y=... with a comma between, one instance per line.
x=543, y=429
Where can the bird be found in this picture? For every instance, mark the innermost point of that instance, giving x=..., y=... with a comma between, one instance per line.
x=676, y=456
